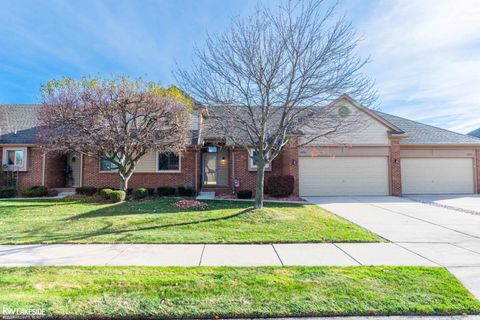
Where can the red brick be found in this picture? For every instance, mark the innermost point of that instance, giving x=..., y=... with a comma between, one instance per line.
x=93, y=178
x=285, y=164
x=395, y=168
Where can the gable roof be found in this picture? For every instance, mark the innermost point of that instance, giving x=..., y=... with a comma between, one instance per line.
x=392, y=126
x=420, y=133
x=475, y=133
x=18, y=123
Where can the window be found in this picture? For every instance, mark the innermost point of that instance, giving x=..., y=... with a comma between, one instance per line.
x=168, y=161
x=254, y=158
x=15, y=158
x=107, y=165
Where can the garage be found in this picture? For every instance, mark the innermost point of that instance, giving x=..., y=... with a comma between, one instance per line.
x=437, y=175
x=342, y=176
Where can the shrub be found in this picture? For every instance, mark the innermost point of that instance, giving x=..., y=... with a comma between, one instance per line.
x=7, y=192
x=35, y=191
x=117, y=195
x=280, y=186
x=245, y=194
x=166, y=191
x=52, y=193
x=185, y=191
x=86, y=191
x=151, y=191
x=140, y=193
x=129, y=191
x=105, y=193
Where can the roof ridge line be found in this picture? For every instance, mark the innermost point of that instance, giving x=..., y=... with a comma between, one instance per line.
x=429, y=125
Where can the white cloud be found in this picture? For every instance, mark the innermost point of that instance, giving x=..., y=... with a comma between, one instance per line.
x=426, y=59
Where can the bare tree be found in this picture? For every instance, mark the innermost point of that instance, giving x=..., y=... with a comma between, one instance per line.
x=271, y=72
x=116, y=119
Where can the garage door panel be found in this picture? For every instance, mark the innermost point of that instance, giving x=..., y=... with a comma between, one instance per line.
x=322, y=176
x=437, y=175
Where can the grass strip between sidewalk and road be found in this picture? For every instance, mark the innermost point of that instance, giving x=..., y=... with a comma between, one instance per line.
x=173, y=292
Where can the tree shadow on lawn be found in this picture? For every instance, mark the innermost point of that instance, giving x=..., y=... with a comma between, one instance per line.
x=35, y=206
x=152, y=207
x=106, y=230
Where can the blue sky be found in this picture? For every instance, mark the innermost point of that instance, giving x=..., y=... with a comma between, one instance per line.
x=425, y=54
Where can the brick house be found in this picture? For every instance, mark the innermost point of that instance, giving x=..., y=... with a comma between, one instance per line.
x=388, y=156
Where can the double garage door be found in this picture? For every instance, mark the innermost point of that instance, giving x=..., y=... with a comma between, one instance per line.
x=325, y=176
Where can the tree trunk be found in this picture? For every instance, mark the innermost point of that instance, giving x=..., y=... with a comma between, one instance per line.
x=259, y=185
x=124, y=178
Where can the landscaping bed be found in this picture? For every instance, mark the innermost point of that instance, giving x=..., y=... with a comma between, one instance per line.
x=77, y=220
x=165, y=292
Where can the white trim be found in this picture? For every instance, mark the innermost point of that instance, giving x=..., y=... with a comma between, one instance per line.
x=168, y=171
x=25, y=157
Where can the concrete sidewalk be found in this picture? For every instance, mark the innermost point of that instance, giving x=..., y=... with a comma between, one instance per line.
x=309, y=254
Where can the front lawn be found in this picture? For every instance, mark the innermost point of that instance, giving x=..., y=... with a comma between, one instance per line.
x=157, y=221
x=118, y=292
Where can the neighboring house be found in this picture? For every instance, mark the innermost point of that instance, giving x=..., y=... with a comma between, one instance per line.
x=475, y=133
x=388, y=156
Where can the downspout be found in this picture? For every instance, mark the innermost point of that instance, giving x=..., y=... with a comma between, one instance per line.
x=233, y=170
x=81, y=171
x=44, y=164
x=196, y=176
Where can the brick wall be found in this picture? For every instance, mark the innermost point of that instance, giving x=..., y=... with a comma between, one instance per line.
x=93, y=178
x=285, y=163
x=33, y=175
x=54, y=171
x=477, y=166
x=395, y=168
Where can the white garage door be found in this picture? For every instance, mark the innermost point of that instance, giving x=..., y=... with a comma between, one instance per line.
x=322, y=176
x=437, y=175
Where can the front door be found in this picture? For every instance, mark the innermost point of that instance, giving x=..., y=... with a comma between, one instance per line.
x=210, y=168
x=72, y=169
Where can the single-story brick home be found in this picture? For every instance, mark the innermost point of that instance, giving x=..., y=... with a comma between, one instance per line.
x=390, y=155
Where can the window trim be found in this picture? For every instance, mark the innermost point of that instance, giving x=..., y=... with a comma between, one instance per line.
x=5, y=158
x=253, y=167
x=168, y=171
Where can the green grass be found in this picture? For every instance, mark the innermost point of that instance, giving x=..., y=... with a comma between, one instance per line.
x=234, y=292
x=157, y=221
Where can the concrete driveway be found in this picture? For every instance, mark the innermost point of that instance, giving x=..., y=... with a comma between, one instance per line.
x=462, y=202
x=447, y=237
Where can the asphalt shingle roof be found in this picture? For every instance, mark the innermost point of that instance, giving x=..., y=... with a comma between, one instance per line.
x=420, y=133
x=475, y=133
x=18, y=123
